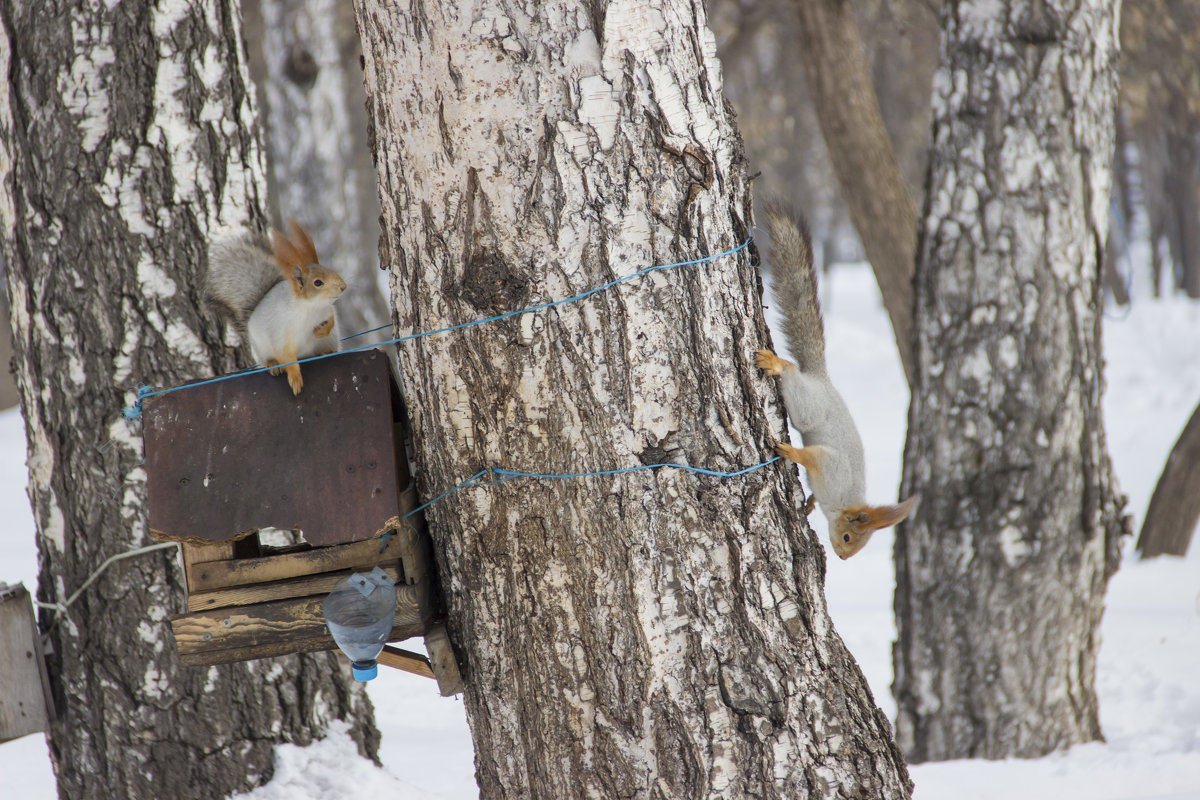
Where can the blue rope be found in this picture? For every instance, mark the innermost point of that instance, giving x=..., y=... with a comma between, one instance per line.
x=135, y=411
x=508, y=474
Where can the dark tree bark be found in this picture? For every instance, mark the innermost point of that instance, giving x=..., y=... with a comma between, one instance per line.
x=764, y=80
x=1160, y=65
x=900, y=39
x=1002, y=570
x=127, y=137
x=305, y=62
x=8, y=382
x=873, y=187
x=1174, y=510
x=655, y=634
x=1183, y=200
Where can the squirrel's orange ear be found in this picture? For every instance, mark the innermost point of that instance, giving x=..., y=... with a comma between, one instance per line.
x=287, y=256
x=886, y=516
x=303, y=242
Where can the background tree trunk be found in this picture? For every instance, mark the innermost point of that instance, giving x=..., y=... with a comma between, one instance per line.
x=763, y=78
x=1160, y=107
x=8, y=382
x=1174, y=509
x=656, y=634
x=1001, y=572
x=305, y=61
x=127, y=136
x=900, y=39
x=873, y=187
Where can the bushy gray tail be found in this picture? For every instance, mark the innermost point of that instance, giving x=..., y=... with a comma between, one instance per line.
x=241, y=270
x=794, y=285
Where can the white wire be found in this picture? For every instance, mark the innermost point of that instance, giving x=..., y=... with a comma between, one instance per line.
x=61, y=608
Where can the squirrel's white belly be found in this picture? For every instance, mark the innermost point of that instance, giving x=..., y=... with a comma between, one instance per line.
x=275, y=329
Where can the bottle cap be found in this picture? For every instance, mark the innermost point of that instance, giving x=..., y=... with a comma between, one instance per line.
x=364, y=670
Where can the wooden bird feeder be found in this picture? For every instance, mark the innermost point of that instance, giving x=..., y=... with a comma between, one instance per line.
x=225, y=461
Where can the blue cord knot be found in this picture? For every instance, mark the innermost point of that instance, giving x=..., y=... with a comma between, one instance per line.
x=135, y=411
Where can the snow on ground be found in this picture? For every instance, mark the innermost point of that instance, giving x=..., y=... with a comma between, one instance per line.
x=1149, y=670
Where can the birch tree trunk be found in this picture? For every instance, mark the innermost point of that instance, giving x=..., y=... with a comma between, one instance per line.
x=128, y=136
x=308, y=74
x=1001, y=572
x=657, y=634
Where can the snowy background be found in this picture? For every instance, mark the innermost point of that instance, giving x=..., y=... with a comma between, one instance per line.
x=1149, y=670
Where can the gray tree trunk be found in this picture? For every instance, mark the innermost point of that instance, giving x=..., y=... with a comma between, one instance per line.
x=305, y=60
x=658, y=634
x=8, y=382
x=1174, y=510
x=1002, y=570
x=873, y=186
x=901, y=39
x=127, y=135
x=763, y=78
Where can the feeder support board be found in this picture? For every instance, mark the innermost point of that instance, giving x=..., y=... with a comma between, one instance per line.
x=25, y=699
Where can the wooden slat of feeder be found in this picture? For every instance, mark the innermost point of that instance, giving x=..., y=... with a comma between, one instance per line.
x=278, y=590
x=442, y=661
x=210, y=575
x=239, y=455
x=406, y=660
x=279, y=627
x=200, y=553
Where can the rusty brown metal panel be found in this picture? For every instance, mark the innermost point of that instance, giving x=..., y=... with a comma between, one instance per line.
x=236, y=456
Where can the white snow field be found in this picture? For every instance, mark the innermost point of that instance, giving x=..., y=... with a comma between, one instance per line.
x=1149, y=670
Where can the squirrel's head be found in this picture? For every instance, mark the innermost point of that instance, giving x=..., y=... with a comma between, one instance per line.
x=851, y=528
x=297, y=259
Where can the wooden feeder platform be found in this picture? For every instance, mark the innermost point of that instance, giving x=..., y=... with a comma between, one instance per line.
x=227, y=461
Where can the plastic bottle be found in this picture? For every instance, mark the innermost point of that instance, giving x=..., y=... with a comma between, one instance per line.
x=359, y=613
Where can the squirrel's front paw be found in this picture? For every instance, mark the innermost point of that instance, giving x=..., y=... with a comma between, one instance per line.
x=785, y=450
x=273, y=366
x=325, y=328
x=294, y=378
x=767, y=360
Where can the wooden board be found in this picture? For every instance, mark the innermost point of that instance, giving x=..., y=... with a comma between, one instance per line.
x=406, y=660
x=211, y=575
x=443, y=662
x=416, y=552
x=24, y=687
x=227, y=458
x=279, y=590
x=295, y=625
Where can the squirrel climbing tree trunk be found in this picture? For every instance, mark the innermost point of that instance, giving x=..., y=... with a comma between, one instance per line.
x=127, y=137
x=1002, y=570
x=657, y=634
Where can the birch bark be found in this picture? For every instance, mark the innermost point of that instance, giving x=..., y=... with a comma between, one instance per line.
x=127, y=137
x=320, y=167
x=655, y=634
x=1002, y=570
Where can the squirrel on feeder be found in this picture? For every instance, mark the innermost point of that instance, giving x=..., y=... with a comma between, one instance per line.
x=832, y=454
x=279, y=296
